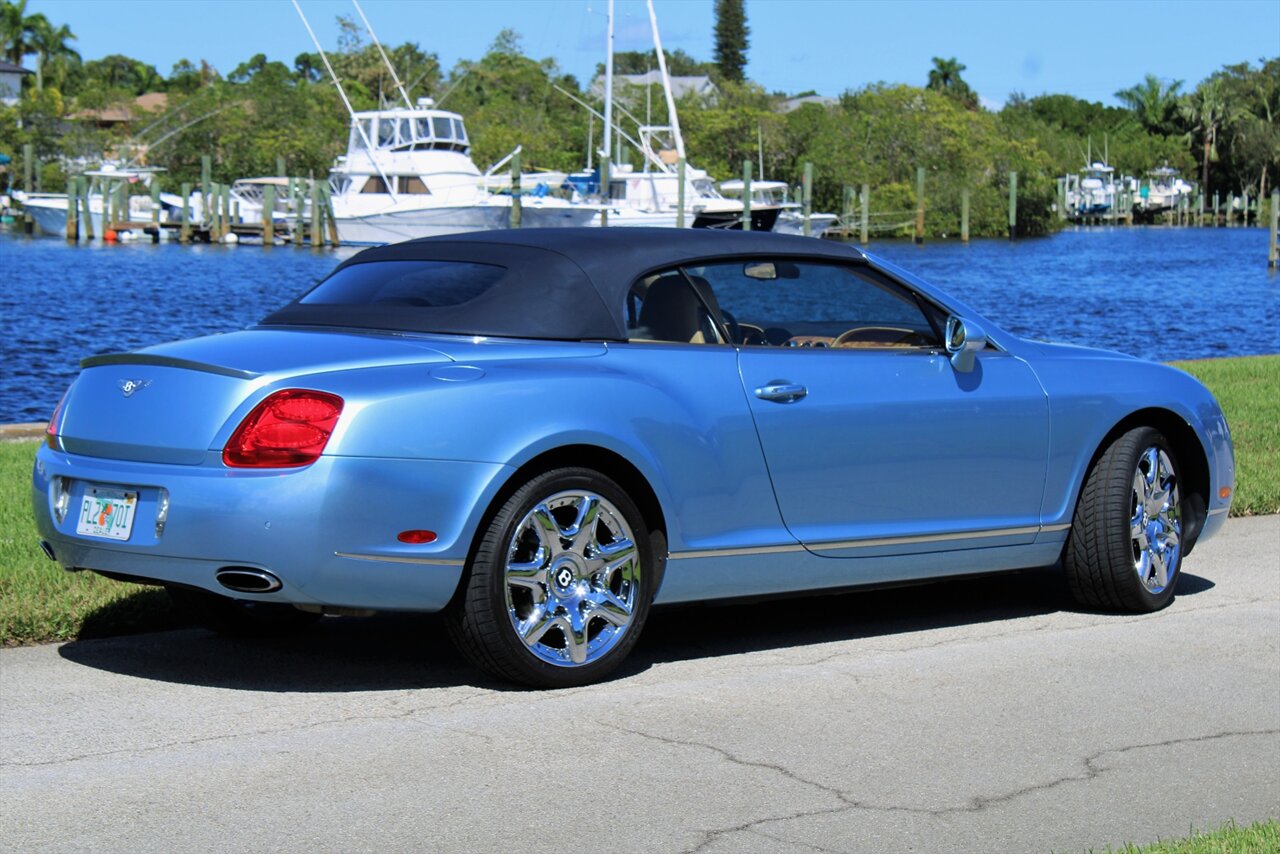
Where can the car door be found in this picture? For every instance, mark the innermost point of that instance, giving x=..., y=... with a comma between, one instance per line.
x=872, y=438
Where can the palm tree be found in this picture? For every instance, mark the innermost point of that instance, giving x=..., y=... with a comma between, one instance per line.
x=1206, y=111
x=1153, y=100
x=15, y=30
x=945, y=78
x=49, y=43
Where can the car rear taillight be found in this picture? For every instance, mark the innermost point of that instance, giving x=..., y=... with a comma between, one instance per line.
x=288, y=429
x=55, y=422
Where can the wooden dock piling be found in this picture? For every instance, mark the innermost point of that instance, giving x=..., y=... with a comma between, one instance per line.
x=268, y=215
x=299, y=202
x=330, y=220
x=317, y=236
x=864, y=226
x=1013, y=205
x=85, y=214
x=1273, y=250
x=919, y=237
x=964, y=215
x=680, y=179
x=185, y=226
x=808, y=198
x=746, y=194
x=517, y=205
x=73, y=207
x=206, y=187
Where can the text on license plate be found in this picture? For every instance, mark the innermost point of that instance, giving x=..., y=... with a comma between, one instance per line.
x=107, y=512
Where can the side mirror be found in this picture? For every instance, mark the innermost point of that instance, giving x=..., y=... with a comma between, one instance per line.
x=964, y=339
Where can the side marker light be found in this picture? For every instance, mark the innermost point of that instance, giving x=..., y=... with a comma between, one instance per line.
x=416, y=538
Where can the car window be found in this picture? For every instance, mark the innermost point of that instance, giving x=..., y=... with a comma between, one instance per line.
x=668, y=308
x=784, y=303
x=409, y=283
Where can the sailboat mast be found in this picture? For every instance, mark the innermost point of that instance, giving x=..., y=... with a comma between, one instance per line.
x=607, y=151
x=390, y=67
x=368, y=144
x=666, y=80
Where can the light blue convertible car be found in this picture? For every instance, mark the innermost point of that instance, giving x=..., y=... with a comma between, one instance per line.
x=543, y=433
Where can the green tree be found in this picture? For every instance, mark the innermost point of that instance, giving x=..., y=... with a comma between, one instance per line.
x=15, y=30
x=1206, y=111
x=1153, y=101
x=731, y=39
x=55, y=57
x=945, y=77
x=679, y=63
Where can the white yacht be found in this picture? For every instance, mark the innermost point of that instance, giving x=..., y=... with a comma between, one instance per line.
x=408, y=173
x=1164, y=191
x=1096, y=191
x=791, y=214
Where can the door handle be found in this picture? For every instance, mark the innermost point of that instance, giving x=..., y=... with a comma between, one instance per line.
x=780, y=391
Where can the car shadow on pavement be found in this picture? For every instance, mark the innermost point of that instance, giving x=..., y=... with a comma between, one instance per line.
x=392, y=652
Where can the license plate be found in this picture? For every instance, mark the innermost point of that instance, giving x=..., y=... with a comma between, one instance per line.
x=107, y=513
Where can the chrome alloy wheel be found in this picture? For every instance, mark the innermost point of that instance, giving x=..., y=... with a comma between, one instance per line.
x=572, y=578
x=1155, y=527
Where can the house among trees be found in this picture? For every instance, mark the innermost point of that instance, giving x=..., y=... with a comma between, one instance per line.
x=795, y=102
x=125, y=113
x=698, y=84
x=11, y=82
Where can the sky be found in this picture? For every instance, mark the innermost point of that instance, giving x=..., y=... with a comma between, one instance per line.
x=1086, y=48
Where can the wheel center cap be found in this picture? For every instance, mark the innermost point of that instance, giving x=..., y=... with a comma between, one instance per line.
x=565, y=574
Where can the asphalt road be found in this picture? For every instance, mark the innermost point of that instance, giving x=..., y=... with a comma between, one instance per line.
x=974, y=715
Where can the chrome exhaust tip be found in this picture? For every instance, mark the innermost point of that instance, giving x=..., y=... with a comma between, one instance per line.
x=246, y=579
x=48, y=550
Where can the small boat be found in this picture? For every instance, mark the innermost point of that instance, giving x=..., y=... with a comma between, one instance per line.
x=49, y=210
x=790, y=214
x=1164, y=190
x=1095, y=193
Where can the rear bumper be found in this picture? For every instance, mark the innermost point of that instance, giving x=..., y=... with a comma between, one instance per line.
x=327, y=531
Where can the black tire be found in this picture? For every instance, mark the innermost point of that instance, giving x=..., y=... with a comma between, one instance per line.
x=482, y=620
x=239, y=617
x=1102, y=557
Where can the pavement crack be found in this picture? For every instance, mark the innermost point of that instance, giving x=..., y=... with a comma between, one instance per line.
x=391, y=716
x=1093, y=768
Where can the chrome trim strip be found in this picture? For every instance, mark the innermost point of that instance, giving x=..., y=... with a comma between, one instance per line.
x=929, y=538
x=428, y=561
x=756, y=550
x=868, y=543
x=1219, y=511
x=1053, y=529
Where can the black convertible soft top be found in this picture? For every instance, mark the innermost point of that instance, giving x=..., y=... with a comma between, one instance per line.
x=557, y=283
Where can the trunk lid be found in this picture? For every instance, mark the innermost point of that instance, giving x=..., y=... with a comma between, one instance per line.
x=167, y=404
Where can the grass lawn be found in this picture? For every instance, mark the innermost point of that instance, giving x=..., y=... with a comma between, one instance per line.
x=1260, y=838
x=1248, y=390
x=41, y=602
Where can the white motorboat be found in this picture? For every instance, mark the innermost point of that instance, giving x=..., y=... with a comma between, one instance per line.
x=408, y=173
x=1163, y=191
x=1095, y=192
x=791, y=214
x=49, y=210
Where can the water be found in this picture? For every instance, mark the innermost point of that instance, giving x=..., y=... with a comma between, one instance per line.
x=1159, y=293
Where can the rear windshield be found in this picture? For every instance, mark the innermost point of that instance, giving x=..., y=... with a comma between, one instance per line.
x=430, y=284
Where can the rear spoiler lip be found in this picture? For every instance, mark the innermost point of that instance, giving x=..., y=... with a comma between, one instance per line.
x=166, y=362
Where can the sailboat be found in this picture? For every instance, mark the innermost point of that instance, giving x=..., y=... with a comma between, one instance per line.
x=650, y=196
